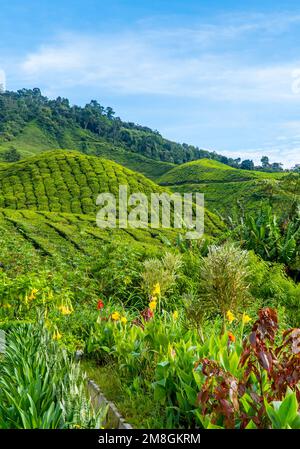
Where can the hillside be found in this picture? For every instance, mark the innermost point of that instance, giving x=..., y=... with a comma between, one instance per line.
x=65, y=181
x=69, y=182
x=33, y=139
x=207, y=170
x=75, y=127
x=229, y=190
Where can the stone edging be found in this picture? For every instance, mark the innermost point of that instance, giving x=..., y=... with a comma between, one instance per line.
x=114, y=418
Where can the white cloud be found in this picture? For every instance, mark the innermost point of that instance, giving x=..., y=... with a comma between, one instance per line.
x=232, y=67
x=170, y=61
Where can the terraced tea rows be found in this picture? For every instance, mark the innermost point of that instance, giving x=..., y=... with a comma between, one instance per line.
x=228, y=190
x=69, y=182
x=65, y=182
x=54, y=234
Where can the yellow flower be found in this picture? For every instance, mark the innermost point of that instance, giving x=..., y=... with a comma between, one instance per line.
x=56, y=336
x=65, y=310
x=152, y=305
x=230, y=316
x=7, y=306
x=32, y=294
x=115, y=316
x=156, y=289
x=246, y=318
x=175, y=314
x=123, y=320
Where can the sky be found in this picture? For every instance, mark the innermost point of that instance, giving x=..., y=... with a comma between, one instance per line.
x=222, y=75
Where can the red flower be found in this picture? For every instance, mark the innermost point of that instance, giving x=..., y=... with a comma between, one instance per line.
x=100, y=304
x=231, y=337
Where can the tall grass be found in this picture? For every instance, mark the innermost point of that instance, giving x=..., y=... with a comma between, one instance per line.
x=40, y=386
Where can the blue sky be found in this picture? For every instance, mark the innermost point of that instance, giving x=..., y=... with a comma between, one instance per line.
x=223, y=75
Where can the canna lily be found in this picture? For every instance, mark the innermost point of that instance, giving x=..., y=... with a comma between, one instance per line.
x=32, y=294
x=230, y=316
x=123, y=320
x=65, y=310
x=231, y=337
x=115, y=316
x=100, y=304
x=246, y=318
x=152, y=305
x=156, y=289
x=56, y=336
x=175, y=315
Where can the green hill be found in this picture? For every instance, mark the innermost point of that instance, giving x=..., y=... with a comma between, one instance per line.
x=69, y=182
x=207, y=170
x=33, y=139
x=65, y=181
x=229, y=190
x=61, y=125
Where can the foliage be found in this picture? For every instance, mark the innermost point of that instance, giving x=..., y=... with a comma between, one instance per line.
x=162, y=271
x=269, y=372
x=223, y=282
x=271, y=238
x=11, y=155
x=40, y=387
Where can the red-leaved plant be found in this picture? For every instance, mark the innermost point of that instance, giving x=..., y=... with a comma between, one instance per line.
x=269, y=370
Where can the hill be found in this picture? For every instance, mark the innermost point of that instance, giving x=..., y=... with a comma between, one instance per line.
x=69, y=182
x=207, y=170
x=229, y=190
x=61, y=125
x=65, y=181
x=33, y=139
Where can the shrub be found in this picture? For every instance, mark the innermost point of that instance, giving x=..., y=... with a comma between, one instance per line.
x=223, y=282
x=160, y=271
x=268, y=373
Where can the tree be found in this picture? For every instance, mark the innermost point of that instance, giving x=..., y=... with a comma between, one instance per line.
x=247, y=165
x=265, y=162
x=277, y=166
x=110, y=112
x=11, y=155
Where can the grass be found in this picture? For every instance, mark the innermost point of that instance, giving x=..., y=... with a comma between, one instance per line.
x=140, y=411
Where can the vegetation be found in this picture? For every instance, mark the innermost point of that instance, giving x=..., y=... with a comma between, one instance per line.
x=40, y=387
x=74, y=127
x=178, y=333
x=231, y=192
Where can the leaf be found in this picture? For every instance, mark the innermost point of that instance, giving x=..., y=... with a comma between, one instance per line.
x=273, y=416
x=288, y=409
x=296, y=423
x=251, y=425
x=266, y=360
x=159, y=394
